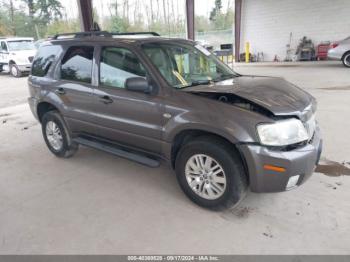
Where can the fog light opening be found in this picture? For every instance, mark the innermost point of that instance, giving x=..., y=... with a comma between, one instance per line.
x=292, y=182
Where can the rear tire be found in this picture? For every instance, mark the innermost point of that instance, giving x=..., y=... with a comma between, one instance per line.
x=229, y=186
x=57, y=135
x=346, y=59
x=14, y=71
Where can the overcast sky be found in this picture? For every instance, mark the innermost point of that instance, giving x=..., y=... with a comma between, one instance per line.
x=202, y=7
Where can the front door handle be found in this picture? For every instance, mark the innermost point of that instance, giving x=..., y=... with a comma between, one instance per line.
x=61, y=91
x=106, y=100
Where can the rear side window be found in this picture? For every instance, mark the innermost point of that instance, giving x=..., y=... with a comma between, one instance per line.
x=44, y=59
x=77, y=64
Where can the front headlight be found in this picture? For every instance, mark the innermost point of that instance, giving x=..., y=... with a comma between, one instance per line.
x=282, y=133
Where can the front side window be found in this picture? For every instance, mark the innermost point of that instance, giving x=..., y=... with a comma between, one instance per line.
x=19, y=45
x=184, y=65
x=43, y=60
x=118, y=64
x=77, y=64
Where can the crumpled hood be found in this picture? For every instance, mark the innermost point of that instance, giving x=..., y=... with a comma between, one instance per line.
x=274, y=94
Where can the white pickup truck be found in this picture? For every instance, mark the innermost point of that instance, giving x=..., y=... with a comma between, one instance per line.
x=16, y=55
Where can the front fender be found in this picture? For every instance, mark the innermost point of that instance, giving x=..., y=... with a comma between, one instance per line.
x=234, y=130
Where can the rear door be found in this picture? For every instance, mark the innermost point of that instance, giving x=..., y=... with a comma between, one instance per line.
x=75, y=88
x=127, y=117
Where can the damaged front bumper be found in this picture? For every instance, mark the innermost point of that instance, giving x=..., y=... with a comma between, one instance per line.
x=297, y=165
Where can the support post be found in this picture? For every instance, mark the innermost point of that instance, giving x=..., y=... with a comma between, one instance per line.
x=85, y=14
x=238, y=19
x=190, y=19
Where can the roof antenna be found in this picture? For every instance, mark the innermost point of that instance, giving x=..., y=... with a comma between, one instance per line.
x=95, y=27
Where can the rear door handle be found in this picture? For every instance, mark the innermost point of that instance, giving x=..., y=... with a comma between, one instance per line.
x=106, y=100
x=61, y=91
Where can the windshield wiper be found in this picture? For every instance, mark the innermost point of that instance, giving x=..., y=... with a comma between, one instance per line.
x=198, y=82
x=224, y=77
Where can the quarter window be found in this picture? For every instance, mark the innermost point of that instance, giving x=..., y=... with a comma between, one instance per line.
x=77, y=64
x=117, y=65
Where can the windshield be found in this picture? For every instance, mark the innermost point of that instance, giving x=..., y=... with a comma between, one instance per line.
x=184, y=65
x=20, y=45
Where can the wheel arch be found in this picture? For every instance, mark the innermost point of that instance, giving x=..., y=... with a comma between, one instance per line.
x=345, y=54
x=44, y=107
x=185, y=136
x=344, y=60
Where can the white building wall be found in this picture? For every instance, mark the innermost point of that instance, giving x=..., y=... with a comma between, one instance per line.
x=267, y=24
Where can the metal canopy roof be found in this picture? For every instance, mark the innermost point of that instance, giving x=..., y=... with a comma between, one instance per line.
x=86, y=20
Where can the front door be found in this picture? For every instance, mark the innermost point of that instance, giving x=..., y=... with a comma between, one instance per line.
x=4, y=53
x=130, y=118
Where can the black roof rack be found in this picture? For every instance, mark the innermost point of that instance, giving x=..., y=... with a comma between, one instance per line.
x=83, y=34
x=136, y=33
x=100, y=33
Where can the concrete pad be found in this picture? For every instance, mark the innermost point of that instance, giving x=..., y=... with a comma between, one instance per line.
x=96, y=203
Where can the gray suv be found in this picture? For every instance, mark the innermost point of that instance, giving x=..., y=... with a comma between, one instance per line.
x=148, y=99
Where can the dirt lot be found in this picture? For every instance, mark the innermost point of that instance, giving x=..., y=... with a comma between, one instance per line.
x=96, y=203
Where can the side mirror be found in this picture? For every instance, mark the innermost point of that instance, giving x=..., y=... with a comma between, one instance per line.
x=138, y=84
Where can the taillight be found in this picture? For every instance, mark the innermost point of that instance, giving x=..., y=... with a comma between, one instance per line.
x=334, y=45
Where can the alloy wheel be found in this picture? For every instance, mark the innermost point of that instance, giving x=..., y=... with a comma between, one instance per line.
x=205, y=176
x=54, y=135
x=347, y=60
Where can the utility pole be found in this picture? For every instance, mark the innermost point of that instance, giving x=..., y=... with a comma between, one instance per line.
x=37, y=31
x=168, y=16
x=152, y=15
x=116, y=7
x=13, y=26
x=164, y=11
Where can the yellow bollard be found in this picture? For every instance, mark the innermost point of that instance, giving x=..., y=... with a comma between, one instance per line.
x=247, y=52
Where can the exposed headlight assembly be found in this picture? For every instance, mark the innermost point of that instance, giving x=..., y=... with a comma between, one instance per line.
x=282, y=133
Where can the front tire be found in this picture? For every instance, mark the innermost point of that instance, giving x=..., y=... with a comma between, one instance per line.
x=346, y=59
x=14, y=71
x=57, y=136
x=211, y=173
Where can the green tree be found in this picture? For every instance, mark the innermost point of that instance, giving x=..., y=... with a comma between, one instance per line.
x=117, y=24
x=44, y=10
x=48, y=10
x=41, y=13
x=202, y=23
x=216, y=10
x=17, y=23
x=62, y=26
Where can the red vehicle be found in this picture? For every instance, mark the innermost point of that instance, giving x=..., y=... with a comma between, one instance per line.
x=322, y=50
